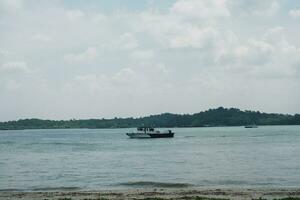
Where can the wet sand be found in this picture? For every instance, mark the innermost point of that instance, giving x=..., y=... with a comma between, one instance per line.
x=160, y=193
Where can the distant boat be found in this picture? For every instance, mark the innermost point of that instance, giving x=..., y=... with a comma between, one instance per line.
x=149, y=132
x=251, y=126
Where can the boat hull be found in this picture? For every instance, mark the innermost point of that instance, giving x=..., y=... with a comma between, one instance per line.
x=138, y=135
x=150, y=135
x=252, y=126
x=162, y=135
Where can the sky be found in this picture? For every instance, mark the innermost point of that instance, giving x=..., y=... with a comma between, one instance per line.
x=64, y=59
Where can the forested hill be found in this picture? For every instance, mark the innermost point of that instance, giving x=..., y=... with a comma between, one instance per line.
x=212, y=117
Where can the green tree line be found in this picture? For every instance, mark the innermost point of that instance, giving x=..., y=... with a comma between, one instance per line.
x=212, y=117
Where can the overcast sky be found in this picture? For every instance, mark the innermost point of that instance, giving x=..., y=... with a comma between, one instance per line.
x=62, y=59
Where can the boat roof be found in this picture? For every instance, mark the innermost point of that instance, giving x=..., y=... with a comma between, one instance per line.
x=145, y=128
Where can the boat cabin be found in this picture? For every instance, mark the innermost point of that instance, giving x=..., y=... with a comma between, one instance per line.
x=145, y=129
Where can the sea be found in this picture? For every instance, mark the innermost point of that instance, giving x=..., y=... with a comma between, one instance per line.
x=105, y=159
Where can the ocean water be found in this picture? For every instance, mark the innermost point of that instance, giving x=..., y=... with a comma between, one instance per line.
x=90, y=159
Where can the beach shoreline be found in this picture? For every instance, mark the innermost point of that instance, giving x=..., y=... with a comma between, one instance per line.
x=159, y=193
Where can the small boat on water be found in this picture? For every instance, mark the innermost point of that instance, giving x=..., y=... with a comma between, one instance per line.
x=251, y=126
x=149, y=132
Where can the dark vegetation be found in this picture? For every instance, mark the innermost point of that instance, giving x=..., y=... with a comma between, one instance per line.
x=191, y=198
x=212, y=117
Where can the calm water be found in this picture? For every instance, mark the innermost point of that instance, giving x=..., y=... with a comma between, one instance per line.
x=107, y=159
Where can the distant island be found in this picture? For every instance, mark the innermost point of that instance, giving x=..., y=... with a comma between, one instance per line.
x=212, y=117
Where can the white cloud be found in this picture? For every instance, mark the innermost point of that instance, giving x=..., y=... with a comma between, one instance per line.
x=268, y=57
x=295, y=13
x=10, y=6
x=125, y=76
x=256, y=8
x=93, y=82
x=12, y=85
x=3, y=53
x=162, y=68
x=127, y=41
x=208, y=46
x=15, y=66
x=88, y=55
x=74, y=14
x=42, y=38
x=255, y=52
x=271, y=10
x=274, y=34
x=194, y=37
x=142, y=55
x=201, y=9
x=99, y=17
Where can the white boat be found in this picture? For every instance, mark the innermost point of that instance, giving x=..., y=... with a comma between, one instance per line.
x=149, y=132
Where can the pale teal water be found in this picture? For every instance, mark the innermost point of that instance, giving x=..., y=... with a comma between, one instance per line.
x=106, y=159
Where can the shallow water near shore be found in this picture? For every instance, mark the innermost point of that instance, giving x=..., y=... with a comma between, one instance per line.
x=91, y=159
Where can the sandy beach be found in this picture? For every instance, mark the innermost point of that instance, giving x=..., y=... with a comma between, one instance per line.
x=155, y=193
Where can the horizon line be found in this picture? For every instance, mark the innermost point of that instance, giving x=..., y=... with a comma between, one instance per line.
x=149, y=115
